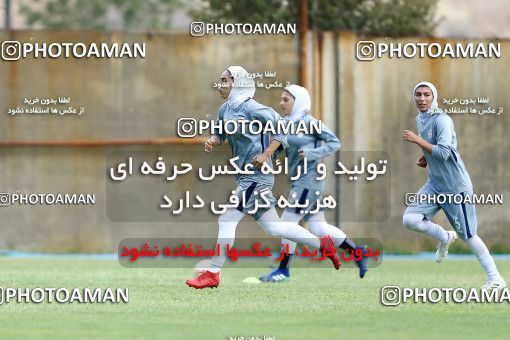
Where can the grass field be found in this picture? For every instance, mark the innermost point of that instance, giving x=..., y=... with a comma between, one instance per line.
x=316, y=304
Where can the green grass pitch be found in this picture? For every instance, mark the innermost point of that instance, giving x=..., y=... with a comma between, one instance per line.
x=316, y=304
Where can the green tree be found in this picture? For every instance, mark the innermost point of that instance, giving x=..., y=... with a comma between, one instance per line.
x=366, y=17
x=97, y=14
x=255, y=11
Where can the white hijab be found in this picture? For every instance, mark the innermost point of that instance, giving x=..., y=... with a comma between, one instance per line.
x=434, y=107
x=302, y=102
x=242, y=89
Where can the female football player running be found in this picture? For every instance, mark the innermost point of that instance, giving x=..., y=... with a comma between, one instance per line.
x=295, y=106
x=447, y=175
x=238, y=89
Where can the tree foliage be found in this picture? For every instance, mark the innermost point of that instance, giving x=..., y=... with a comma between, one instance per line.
x=366, y=17
x=97, y=14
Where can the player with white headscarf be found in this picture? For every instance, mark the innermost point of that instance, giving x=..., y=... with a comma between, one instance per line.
x=251, y=149
x=447, y=176
x=295, y=106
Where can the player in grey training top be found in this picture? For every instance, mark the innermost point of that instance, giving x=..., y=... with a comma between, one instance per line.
x=447, y=175
x=252, y=149
x=295, y=104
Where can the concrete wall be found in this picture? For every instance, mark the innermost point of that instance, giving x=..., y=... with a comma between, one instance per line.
x=376, y=106
x=367, y=103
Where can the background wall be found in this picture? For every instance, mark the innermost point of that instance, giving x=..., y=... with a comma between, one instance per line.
x=367, y=103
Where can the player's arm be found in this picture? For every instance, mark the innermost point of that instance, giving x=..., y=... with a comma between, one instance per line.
x=444, y=132
x=331, y=144
x=260, y=159
x=211, y=143
x=410, y=136
x=421, y=162
x=217, y=138
x=265, y=114
x=279, y=151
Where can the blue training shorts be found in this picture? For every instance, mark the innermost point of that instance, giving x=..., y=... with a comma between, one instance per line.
x=462, y=216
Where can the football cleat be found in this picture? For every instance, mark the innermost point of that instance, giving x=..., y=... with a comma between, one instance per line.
x=277, y=275
x=442, y=248
x=362, y=263
x=497, y=284
x=205, y=280
x=327, y=246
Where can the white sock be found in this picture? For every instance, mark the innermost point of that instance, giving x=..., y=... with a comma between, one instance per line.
x=293, y=218
x=319, y=227
x=226, y=235
x=418, y=222
x=479, y=248
x=274, y=226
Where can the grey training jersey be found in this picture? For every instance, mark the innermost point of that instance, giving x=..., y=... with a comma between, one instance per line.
x=315, y=146
x=447, y=173
x=246, y=146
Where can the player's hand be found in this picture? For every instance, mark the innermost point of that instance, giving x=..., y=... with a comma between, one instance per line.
x=422, y=162
x=259, y=160
x=410, y=136
x=301, y=154
x=211, y=143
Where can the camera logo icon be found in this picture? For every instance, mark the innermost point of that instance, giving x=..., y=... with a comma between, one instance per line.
x=365, y=50
x=187, y=127
x=197, y=29
x=390, y=296
x=5, y=199
x=11, y=50
x=411, y=199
